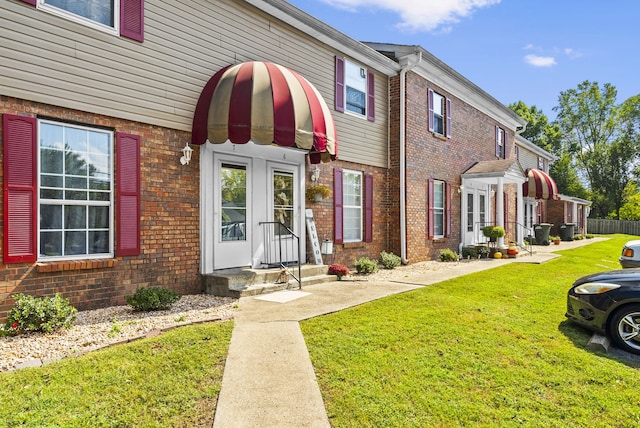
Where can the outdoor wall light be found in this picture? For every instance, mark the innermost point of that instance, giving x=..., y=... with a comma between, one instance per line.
x=460, y=188
x=186, y=155
x=315, y=175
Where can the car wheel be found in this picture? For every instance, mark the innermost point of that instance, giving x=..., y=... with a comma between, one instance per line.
x=625, y=328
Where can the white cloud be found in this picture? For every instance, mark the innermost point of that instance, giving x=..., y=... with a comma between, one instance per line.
x=572, y=53
x=540, y=61
x=420, y=15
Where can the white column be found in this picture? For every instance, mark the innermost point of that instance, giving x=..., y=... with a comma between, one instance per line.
x=500, y=208
x=520, y=214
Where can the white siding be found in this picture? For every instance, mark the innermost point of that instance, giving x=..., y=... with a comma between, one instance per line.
x=49, y=59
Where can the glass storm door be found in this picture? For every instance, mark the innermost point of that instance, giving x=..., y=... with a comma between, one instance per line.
x=280, y=244
x=232, y=214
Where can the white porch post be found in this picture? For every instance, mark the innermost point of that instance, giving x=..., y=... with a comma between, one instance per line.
x=520, y=215
x=500, y=208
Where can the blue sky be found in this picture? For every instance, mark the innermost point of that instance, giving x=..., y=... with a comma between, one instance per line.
x=528, y=50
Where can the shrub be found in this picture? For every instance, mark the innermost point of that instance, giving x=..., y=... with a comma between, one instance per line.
x=152, y=299
x=469, y=253
x=389, y=260
x=589, y=236
x=447, y=255
x=577, y=237
x=366, y=265
x=40, y=314
x=338, y=269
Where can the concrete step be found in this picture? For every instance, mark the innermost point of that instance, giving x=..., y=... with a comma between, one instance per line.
x=241, y=282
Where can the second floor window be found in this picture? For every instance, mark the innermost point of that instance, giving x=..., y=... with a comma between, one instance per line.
x=501, y=143
x=439, y=114
x=99, y=11
x=356, y=88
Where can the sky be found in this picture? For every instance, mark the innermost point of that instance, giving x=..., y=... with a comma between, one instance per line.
x=516, y=50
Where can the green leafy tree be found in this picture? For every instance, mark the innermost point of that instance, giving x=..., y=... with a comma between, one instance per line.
x=539, y=131
x=602, y=138
x=630, y=210
x=549, y=137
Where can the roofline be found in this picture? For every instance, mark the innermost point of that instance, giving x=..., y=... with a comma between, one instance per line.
x=326, y=34
x=436, y=71
x=520, y=140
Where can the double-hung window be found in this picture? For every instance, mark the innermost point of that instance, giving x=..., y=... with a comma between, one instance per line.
x=501, y=143
x=124, y=17
x=354, y=89
x=352, y=200
x=541, y=164
x=439, y=209
x=353, y=206
x=439, y=114
x=75, y=191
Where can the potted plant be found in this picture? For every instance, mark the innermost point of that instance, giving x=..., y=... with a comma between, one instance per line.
x=317, y=192
x=493, y=232
x=556, y=240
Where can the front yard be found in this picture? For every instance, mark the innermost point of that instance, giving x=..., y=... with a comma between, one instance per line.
x=487, y=349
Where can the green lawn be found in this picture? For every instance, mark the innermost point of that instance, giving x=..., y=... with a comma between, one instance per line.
x=487, y=349
x=172, y=380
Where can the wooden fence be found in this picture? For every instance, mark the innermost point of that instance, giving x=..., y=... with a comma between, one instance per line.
x=604, y=226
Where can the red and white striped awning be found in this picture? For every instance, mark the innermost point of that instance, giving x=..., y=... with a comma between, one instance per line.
x=539, y=185
x=267, y=104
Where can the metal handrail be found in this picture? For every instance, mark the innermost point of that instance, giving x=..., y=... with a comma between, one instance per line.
x=268, y=233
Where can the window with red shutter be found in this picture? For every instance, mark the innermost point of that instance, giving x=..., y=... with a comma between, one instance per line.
x=338, y=233
x=20, y=188
x=339, y=84
x=368, y=208
x=128, y=194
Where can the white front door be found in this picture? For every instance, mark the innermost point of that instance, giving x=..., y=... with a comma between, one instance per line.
x=233, y=213
x=476, y=207
x=283, y=214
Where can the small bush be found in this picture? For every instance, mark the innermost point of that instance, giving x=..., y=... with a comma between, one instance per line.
x=339, y=270
x=589, y=236
x=389, y=260
x=578, y=237
x=40, y=314
x=447, y=255
x=366, y=265
x=469, y=253
x=152, y=299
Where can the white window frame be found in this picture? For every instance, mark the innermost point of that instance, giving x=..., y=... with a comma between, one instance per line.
x=501, y=151
x=541, y=164
x=438, y=114
x=69, y=202
x=63, y=13
x=351, y=82
x=352, y=200
x=439, y=208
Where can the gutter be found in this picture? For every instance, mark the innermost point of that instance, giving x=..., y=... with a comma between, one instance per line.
x=407, y=65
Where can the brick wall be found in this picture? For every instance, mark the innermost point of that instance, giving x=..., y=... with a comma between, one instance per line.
x=347, y=253
x=430, y=156
x=170, y=244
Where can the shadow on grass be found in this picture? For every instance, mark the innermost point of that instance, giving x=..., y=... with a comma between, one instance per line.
x=580, y=336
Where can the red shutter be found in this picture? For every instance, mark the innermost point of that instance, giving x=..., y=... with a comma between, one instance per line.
x=506, y=145
x=368, y=208
x=430, y=101
x=371, y=97
x=447, y=213
x=339, y=87
x=31, y=2
x=338, y=235
x=20, y=189
x=430, y=207
x=448, y=113
x=128, y=194
x=497, y=146
x=132, y=19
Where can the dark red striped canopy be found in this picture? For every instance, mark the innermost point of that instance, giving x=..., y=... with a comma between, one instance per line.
x=539, y=185
x=267, y=104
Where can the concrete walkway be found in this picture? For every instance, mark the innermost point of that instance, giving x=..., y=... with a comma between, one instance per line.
x=268, y=377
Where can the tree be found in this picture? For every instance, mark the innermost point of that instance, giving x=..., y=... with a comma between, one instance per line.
x=602, y=138
x=549, y=137
x=631, y=208
x=539, y=131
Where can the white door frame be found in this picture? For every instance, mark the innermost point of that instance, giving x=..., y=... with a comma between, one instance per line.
x=262, y=208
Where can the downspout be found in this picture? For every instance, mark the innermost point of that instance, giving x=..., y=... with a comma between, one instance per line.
x=406, y=66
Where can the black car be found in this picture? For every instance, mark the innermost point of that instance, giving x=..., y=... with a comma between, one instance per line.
x=609, y=303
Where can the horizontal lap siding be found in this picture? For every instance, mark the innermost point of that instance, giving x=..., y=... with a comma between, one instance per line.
x=56, y=61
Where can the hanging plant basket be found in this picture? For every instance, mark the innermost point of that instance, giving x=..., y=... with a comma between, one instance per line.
x=317, y=193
